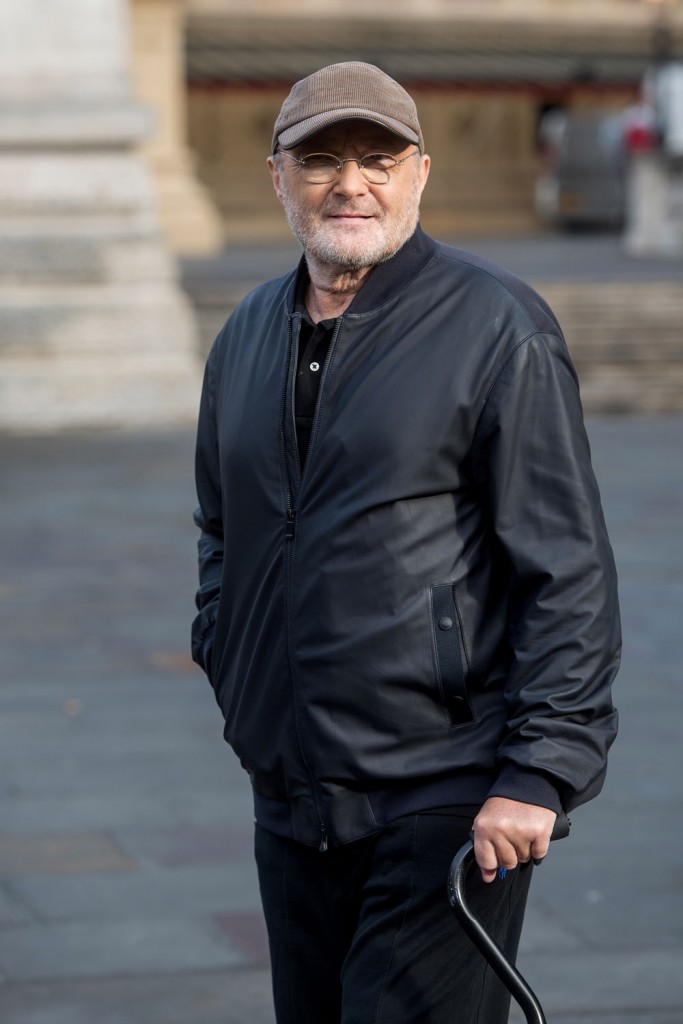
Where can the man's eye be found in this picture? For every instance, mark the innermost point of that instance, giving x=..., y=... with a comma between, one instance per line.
x=320, y=161
x=381, y=161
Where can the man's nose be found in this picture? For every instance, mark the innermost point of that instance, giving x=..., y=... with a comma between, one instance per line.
x=351, y=181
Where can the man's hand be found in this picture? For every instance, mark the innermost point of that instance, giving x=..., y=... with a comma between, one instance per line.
x=508, y=833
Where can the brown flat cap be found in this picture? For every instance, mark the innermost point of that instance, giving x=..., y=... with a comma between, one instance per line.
x=342, y=91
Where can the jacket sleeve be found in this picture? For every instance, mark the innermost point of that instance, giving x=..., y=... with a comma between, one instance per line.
x=208, y=517
x=532, y=465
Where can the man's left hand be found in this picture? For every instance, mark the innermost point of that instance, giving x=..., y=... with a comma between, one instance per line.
x=508, y=833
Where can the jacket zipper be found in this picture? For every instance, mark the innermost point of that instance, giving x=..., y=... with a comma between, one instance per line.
x=290, y=538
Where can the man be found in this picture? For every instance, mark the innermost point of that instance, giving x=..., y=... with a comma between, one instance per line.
x=407, y=603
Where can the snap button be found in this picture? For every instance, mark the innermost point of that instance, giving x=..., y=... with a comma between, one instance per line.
x=315, y=367
x=445, y=623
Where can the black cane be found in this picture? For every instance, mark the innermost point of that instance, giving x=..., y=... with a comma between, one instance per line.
x=520, y=990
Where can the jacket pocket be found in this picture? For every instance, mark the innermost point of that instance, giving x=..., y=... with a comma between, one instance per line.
x=450, y=656
x=203, y=637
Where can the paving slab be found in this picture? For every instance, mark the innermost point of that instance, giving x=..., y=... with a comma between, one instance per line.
x=12, y=910
x=545, y=256
x=606, y=981
x=227, y=997
x=112, y=948
x=127, y=889
x=58, y=855
x=156, y=893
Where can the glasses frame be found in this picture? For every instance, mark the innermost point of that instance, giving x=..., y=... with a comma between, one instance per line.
x=340, y=161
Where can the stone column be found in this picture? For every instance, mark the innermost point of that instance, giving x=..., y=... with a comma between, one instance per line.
x=654, y=208
x=94, y=328
x=190, y=219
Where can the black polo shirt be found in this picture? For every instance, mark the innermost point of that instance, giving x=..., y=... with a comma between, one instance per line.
x=314, y=344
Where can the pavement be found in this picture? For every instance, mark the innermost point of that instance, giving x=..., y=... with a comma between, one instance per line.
x=539, y=257
x=127, y=889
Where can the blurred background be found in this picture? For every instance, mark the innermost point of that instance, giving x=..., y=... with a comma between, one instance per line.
x=135, y=211
x=136, y=204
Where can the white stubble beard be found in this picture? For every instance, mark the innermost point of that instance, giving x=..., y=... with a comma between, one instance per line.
x=326, y=245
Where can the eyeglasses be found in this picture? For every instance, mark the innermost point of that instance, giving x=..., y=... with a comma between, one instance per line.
x=321, y=168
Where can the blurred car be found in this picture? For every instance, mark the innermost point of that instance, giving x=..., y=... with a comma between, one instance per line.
x=582, y=181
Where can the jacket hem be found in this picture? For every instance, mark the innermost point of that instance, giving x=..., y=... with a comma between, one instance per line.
x=466, y=789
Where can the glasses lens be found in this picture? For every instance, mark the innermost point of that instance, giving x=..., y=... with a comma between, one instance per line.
x=320, y=167
x=376, y=167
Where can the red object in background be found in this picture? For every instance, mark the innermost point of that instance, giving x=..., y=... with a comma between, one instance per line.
x=640, y=132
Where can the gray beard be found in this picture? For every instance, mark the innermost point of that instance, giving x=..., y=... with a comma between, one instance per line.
x=332, y=255
x=332, y=252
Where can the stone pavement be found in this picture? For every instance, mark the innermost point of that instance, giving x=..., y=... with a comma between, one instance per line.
x=127, y=890
x=538, y=257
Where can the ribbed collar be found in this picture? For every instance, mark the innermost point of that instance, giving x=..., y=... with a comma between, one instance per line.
x=384, y=281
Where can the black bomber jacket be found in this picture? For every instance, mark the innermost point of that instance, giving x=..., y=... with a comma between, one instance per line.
x=428, y=614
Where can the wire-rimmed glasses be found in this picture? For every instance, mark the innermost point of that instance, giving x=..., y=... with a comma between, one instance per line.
x=322, y=168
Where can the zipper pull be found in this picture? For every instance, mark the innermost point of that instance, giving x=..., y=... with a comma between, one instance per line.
x=290, y=526
x=323, y=842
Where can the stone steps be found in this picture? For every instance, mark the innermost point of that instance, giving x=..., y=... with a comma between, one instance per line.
x=626, y=340
x=625, y=337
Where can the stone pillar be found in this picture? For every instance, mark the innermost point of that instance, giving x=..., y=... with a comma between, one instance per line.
x=654, y=209
x=94, y=328
x=190, y=219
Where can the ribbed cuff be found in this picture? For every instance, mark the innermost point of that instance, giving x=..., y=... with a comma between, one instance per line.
x=514, y=783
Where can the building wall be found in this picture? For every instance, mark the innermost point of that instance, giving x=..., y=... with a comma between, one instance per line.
x=483, y=145
x=567, y=11
x=482, y=73
x=190, y=221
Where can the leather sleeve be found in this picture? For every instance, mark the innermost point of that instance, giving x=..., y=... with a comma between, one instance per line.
x=531, y=459
x=208, y=518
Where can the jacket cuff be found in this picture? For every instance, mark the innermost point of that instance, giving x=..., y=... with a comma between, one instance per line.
x=514, y=783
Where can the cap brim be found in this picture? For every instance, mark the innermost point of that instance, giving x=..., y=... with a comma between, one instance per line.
x=298, y=133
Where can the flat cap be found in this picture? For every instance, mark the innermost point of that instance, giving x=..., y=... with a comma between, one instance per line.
x=342, y=91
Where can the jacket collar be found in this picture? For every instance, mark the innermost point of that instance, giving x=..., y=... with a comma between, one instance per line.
x=386, y=279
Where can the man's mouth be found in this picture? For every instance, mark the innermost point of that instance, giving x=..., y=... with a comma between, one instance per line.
x=350, y=216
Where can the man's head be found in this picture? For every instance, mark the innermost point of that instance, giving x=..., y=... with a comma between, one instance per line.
x=355, y=217
x=341, y=92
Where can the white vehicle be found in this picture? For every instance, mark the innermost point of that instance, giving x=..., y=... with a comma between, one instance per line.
x=583, y=163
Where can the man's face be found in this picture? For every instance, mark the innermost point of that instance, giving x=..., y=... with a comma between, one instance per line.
x=349, y=223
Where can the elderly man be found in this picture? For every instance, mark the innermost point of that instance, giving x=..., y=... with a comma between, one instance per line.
x=407, y=603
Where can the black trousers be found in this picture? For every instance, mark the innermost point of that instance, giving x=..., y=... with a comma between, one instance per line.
x=364, y=933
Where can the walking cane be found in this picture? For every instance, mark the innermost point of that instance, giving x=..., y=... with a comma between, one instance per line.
x=520, y=990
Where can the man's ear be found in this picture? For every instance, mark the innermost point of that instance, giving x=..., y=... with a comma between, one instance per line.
x=275, y=173
x=424, y=170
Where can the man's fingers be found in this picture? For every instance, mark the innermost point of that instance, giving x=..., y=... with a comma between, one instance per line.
x=486, y=855
x=491, y=856
x=487, y=859
x=539, y=848
x=508, y=833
